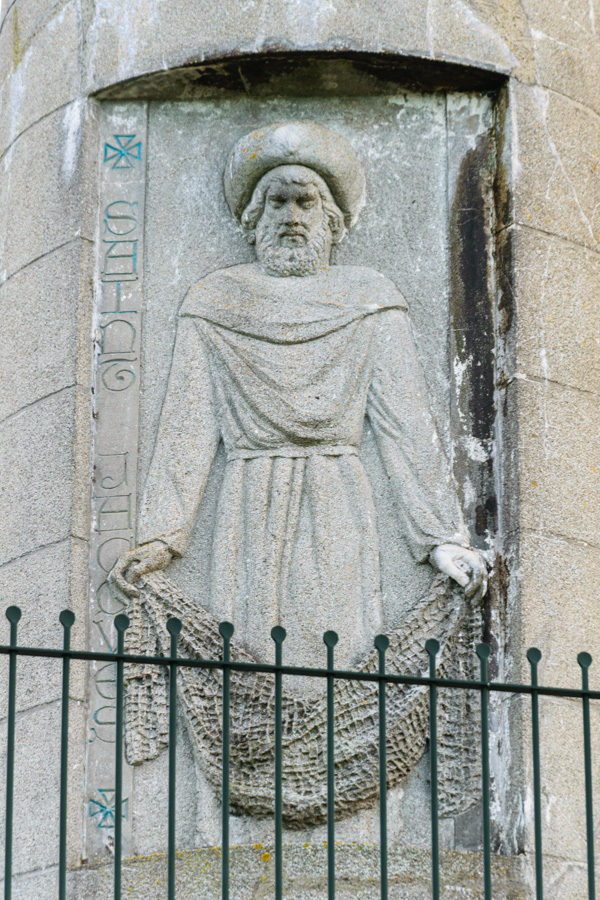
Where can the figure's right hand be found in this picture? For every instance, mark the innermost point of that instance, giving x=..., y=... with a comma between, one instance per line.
x=140, y=561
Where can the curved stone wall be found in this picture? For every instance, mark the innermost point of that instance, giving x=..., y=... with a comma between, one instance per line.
x=58, y=61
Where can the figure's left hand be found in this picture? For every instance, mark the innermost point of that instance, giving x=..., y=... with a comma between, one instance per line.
x=467, y=567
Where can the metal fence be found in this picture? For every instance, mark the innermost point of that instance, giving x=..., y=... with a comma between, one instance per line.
x=384, y=680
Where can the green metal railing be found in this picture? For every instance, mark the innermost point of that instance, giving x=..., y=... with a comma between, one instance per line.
x=278, y=670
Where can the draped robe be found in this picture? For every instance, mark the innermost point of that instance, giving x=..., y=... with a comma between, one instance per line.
x=283, y=372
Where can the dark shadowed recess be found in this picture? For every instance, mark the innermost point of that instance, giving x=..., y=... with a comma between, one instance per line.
x=305, y=74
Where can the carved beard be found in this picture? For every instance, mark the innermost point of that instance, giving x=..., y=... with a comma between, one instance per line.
x=285, y=261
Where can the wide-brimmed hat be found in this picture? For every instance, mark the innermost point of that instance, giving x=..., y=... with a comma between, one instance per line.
x=296, y=144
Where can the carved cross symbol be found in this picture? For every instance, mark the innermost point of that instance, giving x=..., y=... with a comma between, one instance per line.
x=124, y=152
x=105, y=808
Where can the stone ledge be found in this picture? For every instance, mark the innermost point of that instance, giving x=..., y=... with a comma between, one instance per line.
x=198, y=874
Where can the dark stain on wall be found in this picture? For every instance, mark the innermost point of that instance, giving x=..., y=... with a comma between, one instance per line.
x=276, y=70
x=472, y=323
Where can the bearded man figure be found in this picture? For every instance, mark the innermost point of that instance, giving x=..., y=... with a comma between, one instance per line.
x=282, y=360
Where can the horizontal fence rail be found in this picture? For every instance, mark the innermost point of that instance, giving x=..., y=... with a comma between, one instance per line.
x=330, y=674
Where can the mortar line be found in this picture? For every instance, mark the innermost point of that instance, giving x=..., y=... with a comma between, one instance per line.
x=41, y=256
x=34, y=123
x=595, y=249
x=22, y=409
x=41, y=547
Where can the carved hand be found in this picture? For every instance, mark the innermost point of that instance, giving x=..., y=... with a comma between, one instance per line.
x=467, y=567
x=129, y=566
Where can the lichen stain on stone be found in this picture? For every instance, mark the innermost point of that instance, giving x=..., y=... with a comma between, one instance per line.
x=357, y=874
x=17, y=50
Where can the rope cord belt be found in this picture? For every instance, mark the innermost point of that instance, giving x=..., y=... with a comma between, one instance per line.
x=292, y=451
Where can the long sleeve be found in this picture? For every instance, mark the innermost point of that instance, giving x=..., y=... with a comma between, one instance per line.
x=413, y=458
x=188, y=437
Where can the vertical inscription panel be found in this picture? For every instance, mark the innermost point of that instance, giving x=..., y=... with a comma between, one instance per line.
x=117, y=342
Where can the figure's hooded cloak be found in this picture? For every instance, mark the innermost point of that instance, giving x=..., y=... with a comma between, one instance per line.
x=283, y=371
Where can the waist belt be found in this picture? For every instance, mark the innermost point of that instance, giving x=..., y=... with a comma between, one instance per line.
x=293, y=451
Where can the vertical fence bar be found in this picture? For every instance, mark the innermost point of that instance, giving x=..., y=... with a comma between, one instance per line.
x=483, y=652
x=174, y=627
x=121, y=624
x=433, y=648
x=226, y=631
x=585, y=661
x=534, y=656
x=66, y=618
x=278, y=634
x=382, y=643
x=330, y=638
x=13, y=614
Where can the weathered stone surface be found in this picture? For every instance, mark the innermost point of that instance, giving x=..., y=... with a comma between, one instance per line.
x=561, y=615
x=37, y=884
x=36, y=795
x=555, y=160
x=456, y=30
x=560, y=460
x=557, y=317
x=505, y=22
x=150, y=801
x=39, y=585
x=565, y=880
x=554, y=155
x=38, y=341
x=36, y=459
x=31, y=17
x=198, y=874
x=563, y=776
x=471, y=32
x=566, y=49
x=39, y=79
x=77, y=600
x=124, y=41
x=37, y=178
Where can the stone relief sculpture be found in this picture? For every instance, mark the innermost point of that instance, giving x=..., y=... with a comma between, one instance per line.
x=282, y=361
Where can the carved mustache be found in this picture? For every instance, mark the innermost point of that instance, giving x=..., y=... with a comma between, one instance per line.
x=292, y=231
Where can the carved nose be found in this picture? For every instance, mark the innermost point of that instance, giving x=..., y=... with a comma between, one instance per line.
x=291, y=216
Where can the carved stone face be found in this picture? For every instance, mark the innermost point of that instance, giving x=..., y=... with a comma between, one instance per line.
x=293, y=211
x=295, y=221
